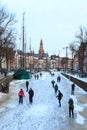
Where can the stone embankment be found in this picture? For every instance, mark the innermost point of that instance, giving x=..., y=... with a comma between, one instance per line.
x=5, y=80
x=79, y=82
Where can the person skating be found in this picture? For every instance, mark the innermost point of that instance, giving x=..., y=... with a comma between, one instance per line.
x=56, y=88
x=37, y=76
x=21, y=95
x=27, y=84
x=58, y=79
x=59, y=96
x=72, y=89
x=31, y=94
x=71, y=107
x=53, y=82
x=40, y=74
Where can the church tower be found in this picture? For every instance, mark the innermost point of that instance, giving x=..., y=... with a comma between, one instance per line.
x=41, y=50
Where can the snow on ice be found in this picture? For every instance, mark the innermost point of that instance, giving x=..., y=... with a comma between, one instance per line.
x=44, y=113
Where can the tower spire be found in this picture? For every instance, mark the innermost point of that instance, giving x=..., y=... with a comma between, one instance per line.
x=41, y=50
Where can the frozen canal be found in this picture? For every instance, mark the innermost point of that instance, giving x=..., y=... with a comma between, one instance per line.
x=44, y=113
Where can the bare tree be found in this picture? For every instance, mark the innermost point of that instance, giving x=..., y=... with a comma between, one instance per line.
x=82, y=40
x=7, y=33
x=81, y=56
x=73, y=48
x=82, y=35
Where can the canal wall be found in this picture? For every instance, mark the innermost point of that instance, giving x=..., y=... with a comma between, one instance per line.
x=5, y=80
x=80, y=83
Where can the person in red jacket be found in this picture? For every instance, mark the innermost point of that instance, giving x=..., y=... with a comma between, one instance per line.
x=21, y=95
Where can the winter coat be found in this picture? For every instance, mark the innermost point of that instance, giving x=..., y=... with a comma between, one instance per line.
x=56, y=88
x=27, y=83
x=31, y=93
x=53, y=82
x=73, y=86
x=58, y=78
x=71, y=103
x=60, y=95
x=21, y=93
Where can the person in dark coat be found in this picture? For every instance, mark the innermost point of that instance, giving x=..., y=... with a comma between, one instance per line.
x=72, y=89
x=31, y=94
x=56, y=88
x=40, y=74
x=37, y=76
x=58, y=79
x=27, y=84
x=59, y=96
x=71, y=107
x=53, y=82
x=21, y=95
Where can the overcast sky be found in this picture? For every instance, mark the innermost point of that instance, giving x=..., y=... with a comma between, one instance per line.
x=56, y=22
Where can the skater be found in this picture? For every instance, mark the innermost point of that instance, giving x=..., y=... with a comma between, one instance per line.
x=72, y=89
x=40, y=74
x=21, y=95
x=53, y=82
x=71, y=107
x=31, y=94
x=56, y=88
x=27, y=84
x=59, y=96
x=37, y=76
x=58, y=79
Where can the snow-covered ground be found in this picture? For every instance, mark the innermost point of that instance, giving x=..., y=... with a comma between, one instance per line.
x=44, y=113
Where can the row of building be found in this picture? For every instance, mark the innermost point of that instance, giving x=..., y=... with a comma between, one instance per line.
x=42, y=61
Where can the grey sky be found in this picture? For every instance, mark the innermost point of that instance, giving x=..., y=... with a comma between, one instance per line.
x=55, y=21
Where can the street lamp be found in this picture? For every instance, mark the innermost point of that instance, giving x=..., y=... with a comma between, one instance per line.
x=66, y=57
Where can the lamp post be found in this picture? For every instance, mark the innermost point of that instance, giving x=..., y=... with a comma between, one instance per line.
x=66, y=65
